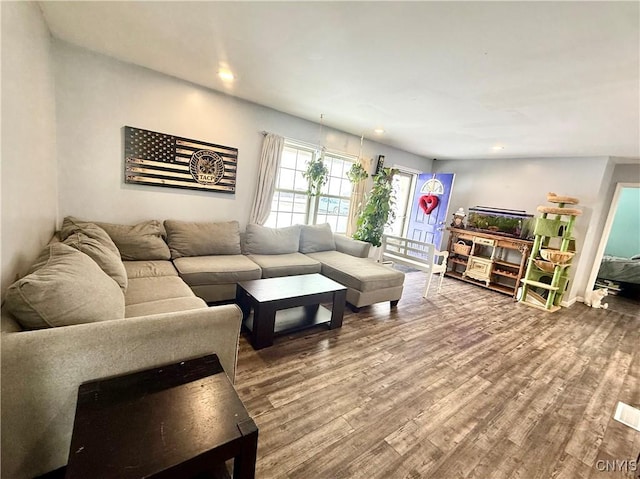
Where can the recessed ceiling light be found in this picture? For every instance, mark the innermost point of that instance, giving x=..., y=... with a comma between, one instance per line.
x=379, y=131
x=226, y=75
x=497, y=147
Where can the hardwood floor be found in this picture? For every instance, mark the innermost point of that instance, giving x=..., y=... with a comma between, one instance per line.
x=464, y=384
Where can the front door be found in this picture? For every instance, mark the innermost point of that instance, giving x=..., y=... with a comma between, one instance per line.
x=429, y=207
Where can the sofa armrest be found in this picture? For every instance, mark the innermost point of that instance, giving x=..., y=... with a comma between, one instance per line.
x=41, y=372
x=357, y=248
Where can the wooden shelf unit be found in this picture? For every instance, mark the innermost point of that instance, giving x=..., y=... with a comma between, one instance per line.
x=505, y=275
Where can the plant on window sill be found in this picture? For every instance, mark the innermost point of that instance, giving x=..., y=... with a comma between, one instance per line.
x=378, y=209
x=316, y=175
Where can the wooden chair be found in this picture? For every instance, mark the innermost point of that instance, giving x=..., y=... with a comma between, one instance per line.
x=415, y=254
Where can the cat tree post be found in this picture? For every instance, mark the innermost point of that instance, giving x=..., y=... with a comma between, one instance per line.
x=554, y=262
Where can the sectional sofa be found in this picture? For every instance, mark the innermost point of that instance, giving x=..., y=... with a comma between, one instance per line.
x=212, y=270
x=63, y=325
x=105, y=299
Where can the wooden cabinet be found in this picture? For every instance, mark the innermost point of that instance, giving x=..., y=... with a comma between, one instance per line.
x=494, y=261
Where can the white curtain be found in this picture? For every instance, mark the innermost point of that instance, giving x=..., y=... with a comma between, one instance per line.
x=267, y=173
x=357, y=197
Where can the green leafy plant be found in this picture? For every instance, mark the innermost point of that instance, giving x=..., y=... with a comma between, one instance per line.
x=378, y=209
x=316, y=175
x=357, y=173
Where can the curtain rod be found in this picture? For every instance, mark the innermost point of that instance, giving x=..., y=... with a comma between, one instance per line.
x=294, y=140
x=315, y=146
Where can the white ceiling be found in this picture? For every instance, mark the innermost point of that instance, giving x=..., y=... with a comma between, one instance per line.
x=444, y=79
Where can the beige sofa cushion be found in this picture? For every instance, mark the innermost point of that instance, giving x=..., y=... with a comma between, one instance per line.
x=314, y=238
x=187, y=238
x=8, y=323
x=69, y=288
x=351, y=246
x=221, y=269
x=108, y=260
x=214, y=293
x=276, y=265
x=72, y=225
x=149, y=269
x=263, y=240
x=357, y=273
x=94, y=242
x=170, y=305
x=143, y=241
x=143, y=290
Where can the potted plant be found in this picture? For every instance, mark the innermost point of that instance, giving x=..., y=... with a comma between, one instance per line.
x=378, y=209
x=316, y=175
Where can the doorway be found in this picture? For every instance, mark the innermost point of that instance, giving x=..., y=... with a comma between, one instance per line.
x=617, y=261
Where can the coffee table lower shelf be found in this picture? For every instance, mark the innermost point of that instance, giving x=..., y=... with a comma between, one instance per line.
x=295, y=319
x=281, y=305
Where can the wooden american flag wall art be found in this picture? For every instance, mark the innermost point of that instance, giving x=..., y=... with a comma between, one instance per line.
x=158, y=159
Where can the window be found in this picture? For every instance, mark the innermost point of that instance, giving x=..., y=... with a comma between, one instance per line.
x=291, y=205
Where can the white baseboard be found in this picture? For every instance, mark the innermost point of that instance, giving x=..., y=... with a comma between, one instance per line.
x=571, y=302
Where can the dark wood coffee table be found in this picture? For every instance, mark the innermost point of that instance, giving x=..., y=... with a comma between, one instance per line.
x=181, y=420
x=290, y=303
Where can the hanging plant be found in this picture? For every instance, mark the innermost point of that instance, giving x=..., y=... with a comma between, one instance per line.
x=316, y=175
x=378, y=210
x=357, y=173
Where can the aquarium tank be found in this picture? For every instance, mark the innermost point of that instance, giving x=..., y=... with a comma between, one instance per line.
x=514, y=223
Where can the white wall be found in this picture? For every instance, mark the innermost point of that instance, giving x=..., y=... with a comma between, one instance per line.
x=522, y=184
x=29, y=181
x=97, y=96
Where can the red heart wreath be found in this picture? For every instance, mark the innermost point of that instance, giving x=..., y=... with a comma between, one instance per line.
x=428, y=203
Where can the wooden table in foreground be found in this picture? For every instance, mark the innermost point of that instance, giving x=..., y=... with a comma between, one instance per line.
x=181, y=420
x=289, y=303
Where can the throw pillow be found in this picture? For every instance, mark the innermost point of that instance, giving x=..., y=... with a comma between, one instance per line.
x=140, y=242
x=108, y=261
x=202, y=239
x=262, y=240
x=69, y=288
x=71, y=225
x=316, y=238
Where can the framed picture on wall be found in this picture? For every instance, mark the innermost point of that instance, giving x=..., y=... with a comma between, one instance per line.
x=159, y=159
